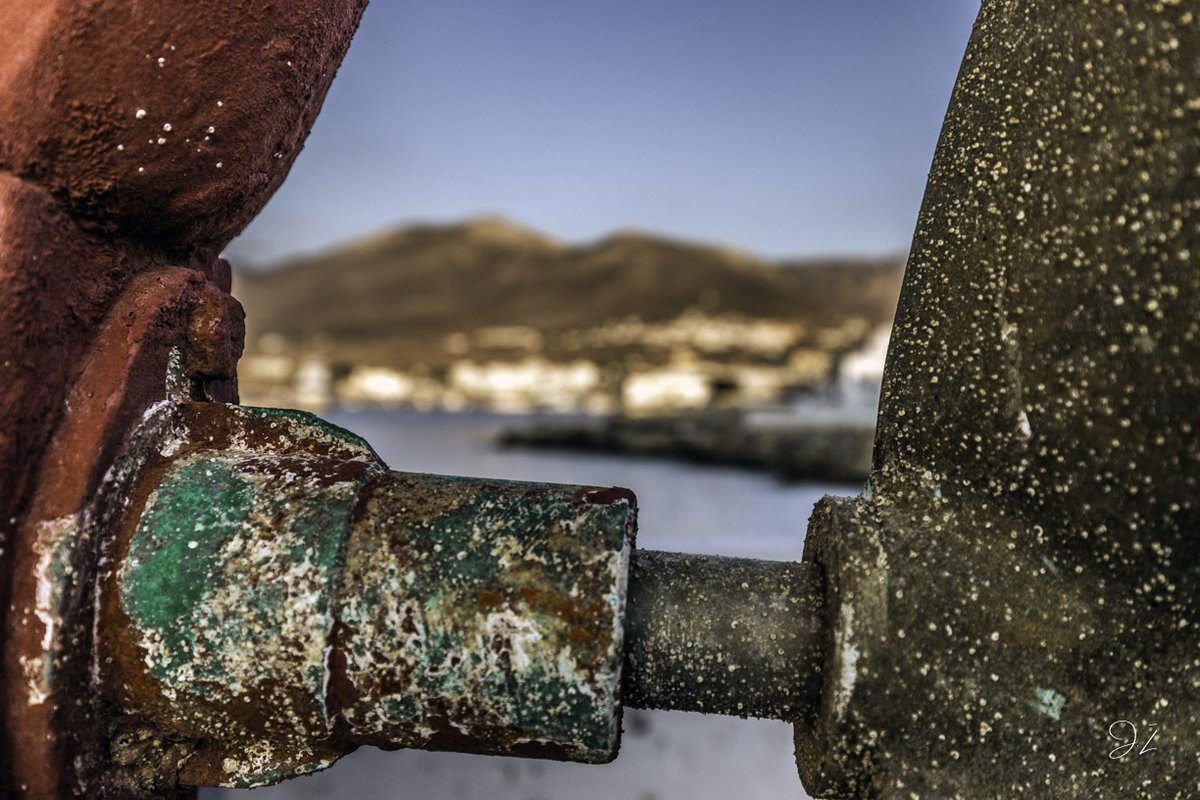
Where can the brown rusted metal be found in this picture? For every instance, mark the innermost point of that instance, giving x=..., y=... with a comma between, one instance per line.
x=136, y=140
x=51, y=718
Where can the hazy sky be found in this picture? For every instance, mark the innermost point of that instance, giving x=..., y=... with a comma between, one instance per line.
x=785, y=127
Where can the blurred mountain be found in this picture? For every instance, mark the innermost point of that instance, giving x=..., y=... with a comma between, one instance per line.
x=429, y=295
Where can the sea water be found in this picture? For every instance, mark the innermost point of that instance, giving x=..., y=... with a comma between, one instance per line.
x=664, y=755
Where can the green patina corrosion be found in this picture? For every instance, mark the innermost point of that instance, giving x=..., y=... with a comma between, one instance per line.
x=469, y=615
x=229, y=583
x=176, y=551
x=212, y=571
x=489, y=612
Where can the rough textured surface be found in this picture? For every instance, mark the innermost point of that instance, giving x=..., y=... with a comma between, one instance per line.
x=487, y=616
x=137, y=138
x=218, y=619
x=168, y=122
x=277, y=598
x=1023, y=572
x=724, y=635
x=49, y=716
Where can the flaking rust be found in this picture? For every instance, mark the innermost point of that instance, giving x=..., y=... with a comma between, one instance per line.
x=282, y=598
x=53, y=576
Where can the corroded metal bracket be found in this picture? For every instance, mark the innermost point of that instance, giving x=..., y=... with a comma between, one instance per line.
x=265, y=596
x=252, y=594
x=194, y=593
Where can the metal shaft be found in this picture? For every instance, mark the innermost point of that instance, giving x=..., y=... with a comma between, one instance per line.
x=719, y=635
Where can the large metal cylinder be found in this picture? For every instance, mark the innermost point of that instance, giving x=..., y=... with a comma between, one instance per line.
x=1024, y=571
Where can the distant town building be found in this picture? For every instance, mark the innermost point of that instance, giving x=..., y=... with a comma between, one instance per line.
x=526, y=385
x=695, y=361
x=677, y=388
x=376, y=386
x=314, y=384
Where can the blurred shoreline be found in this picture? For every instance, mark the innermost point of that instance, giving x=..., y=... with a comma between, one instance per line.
x=635, y=344
x=781, y=441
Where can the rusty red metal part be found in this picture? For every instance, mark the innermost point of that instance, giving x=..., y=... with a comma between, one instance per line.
x=115, y=200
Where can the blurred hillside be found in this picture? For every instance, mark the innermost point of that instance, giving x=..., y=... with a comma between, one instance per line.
x=489, y=314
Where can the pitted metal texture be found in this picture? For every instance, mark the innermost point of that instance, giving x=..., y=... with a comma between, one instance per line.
x=278, y=598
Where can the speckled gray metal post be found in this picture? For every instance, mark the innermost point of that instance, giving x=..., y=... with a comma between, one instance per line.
x=1014, y=601
x=718, y=635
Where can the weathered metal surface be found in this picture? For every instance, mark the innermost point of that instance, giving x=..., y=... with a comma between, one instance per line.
x=226, y=586
x=277, y=598
x=1025, y=571
x=137, y=139
x=51, y=715
x=168, y=123
x=720, y=635
x=1021, y=575
x=487, y=616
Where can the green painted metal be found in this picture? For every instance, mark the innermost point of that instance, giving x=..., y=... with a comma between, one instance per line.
x=283, y=598
x=487, y=615
x=228, y=586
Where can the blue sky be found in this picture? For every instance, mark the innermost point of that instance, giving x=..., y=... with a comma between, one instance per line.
x=784, y=127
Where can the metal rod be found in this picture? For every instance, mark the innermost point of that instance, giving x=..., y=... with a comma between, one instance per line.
x=719, y=635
